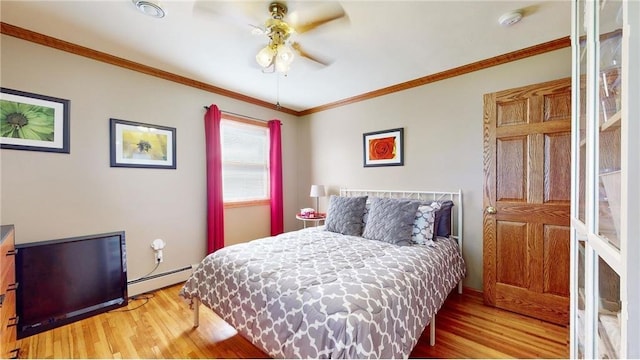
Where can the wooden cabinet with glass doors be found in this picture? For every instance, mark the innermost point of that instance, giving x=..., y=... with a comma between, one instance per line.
x=605, y=165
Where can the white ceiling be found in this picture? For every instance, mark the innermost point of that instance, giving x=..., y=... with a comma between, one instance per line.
x=382, y=43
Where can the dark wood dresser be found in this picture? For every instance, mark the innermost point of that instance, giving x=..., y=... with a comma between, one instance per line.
x=9, y=321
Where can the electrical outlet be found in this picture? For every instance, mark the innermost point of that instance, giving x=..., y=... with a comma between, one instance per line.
x=157, y=245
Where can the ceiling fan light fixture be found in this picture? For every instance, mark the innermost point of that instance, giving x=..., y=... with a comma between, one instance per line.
x=152, y=8
x=279, y=54
x=266, y=56
x=284, y=54
x=282, y=67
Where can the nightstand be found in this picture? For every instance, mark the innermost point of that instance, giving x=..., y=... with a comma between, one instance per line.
x=316, y=220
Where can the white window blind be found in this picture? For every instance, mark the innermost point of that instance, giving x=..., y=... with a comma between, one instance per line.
x=245, y=161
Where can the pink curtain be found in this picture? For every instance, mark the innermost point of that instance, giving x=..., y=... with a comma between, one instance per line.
x=275, y=177
x=215, y=202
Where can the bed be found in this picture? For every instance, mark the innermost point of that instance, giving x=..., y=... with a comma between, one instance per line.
x=322, y=293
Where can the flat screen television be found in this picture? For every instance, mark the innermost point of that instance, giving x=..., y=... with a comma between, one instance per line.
x=66, y=280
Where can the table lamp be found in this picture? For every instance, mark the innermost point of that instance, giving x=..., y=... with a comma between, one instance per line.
x=317, y=191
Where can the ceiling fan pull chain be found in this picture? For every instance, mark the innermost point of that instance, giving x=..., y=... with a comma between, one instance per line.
x=278, y=91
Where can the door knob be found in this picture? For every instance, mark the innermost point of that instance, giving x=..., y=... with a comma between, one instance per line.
x=491, y=210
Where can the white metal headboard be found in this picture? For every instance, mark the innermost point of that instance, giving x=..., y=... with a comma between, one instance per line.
x=456, y=197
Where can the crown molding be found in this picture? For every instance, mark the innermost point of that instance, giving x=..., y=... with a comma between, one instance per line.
x=447, y=74
x=38, y=38
x=55, y=43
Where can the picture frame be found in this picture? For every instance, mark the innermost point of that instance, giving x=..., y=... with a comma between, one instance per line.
x=140, y=145
x=383, y=148
x=34, y=122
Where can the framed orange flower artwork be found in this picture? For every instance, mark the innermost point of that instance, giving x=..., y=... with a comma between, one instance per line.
x=383, y=148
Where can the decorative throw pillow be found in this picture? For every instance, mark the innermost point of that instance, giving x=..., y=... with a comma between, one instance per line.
x=424, y=224
x=344, y=214
x=365, y=216
x=390, y=220
x=443, y=219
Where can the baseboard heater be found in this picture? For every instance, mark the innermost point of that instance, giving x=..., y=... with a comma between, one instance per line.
x=150, y=277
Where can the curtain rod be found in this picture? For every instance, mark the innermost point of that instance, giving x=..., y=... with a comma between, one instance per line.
x=236, y=114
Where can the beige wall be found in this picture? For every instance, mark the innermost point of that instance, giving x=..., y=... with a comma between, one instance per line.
x=443, y=140
x=50, y=196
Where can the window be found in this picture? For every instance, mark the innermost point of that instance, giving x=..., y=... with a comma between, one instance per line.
x=245, y=161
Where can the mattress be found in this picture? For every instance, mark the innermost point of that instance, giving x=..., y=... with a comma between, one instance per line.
x=318, y=294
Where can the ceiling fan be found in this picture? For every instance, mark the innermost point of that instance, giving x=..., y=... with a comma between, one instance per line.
x=278, y=54
x=281, y=28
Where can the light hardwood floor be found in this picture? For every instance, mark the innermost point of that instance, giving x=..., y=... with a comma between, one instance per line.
x=162, y=328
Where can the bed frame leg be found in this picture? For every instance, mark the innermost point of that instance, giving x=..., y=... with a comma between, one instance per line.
x=432, y=331
x=196, y=312
x=460, y=287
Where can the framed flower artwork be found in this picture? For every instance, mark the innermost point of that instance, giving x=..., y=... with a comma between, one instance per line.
x=383, y=148
x=139, y=145
x=33, y=122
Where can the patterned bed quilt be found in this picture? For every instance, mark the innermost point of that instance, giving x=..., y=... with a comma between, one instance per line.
x=318, y=294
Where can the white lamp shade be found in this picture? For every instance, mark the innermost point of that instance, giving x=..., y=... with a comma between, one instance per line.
x=284, y=58
x=282, y=67
x=265, y=56
x=317, y=191
x=284, y=54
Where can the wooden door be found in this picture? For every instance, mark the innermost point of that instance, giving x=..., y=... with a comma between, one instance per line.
x=527, y=185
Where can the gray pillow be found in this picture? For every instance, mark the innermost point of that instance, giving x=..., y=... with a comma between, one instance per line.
x=344, y=214
x=391, y=220
x=443, y=219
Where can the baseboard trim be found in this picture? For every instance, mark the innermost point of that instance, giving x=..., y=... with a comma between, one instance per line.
x=158, y=281
x=471, y=291
x=150, y=277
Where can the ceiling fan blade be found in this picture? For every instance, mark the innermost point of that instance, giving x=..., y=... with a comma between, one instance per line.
x=327, y=14
x=237, y=13
x=325, y=62
x=257, y=30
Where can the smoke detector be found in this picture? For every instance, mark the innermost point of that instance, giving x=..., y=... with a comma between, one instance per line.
x=510, y=18
x=152, y=8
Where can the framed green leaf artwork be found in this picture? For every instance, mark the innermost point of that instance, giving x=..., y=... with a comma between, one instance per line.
x=33, y=122
x=139, y=145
